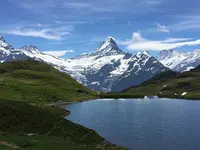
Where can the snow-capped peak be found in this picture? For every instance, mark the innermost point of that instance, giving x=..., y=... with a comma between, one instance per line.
x=146, y=53
x=108, y=43
x=5, y=45
x=111, y=40
x=107, y=48
x=165, y=54
x=31, y=48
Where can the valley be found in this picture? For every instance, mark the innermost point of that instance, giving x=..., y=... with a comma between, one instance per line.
x=99, y=75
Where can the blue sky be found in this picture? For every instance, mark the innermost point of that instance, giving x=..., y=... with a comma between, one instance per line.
x=78, y=26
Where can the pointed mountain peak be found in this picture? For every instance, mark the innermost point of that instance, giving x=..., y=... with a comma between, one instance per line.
x=168, y=51
x=111, y=40
x=107, y=48
x=30, y=48
x=166, y=54
x=4, y=44
x=108, y=43
x=146, y=53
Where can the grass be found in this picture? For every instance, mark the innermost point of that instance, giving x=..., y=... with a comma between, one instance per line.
x=171, y=85
x=36, y=82
x=26, y=120
x=48, y=143
x=32, y=127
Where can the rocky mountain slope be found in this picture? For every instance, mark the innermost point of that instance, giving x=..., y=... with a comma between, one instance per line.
x=106, y=69
x=179, y=61
x=110, y=69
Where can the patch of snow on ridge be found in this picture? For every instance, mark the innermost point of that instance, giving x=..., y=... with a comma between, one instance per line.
x=95, y=83
x=184, y=93
x=189, y=68
x=124, y=64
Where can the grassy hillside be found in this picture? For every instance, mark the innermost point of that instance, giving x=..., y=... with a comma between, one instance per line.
x=36, y=82
x=171, y=84
x=28, y=127
x=27, y=123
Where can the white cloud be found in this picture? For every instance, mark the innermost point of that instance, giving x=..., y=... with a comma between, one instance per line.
x=139, y=43
x=58, y=53
x=162, y=28
x=171, y=40
x=34, y=33
x=137, y=36
x=48, y=32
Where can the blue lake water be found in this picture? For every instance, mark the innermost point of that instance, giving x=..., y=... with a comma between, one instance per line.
x=142, y=124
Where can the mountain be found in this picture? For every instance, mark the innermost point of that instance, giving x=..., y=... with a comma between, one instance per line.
x=36, y=82
x=5, y=49
x=110, y=69
x=107, y=68
x=171, y=84
x=179, y=61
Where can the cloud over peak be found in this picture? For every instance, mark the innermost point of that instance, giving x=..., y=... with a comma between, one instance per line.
x=139, y=43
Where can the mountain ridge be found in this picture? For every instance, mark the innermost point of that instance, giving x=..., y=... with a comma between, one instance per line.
x=108, y=65
x=179, y=61
x=103, y=69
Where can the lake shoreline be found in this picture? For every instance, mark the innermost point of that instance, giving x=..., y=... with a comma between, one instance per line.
x=180, y=98
x=134, y=113
x=67, y=113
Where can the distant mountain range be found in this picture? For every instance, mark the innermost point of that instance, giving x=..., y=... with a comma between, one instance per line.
x=107, y=68
x=179, y=61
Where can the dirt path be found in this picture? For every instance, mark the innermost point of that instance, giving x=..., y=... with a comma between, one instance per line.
x=74, y=131
x=11, y=145
x=54, y=127
x=86, y=135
